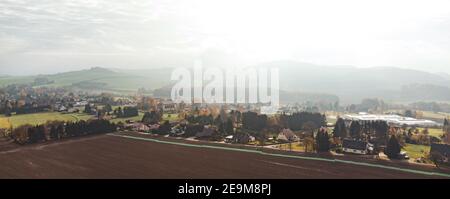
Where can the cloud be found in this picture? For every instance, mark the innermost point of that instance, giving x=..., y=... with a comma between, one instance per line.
x=411, y=33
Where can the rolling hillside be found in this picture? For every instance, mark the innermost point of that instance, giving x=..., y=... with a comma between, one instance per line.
x=97, y=78
x=353, y=84
x=350, y=84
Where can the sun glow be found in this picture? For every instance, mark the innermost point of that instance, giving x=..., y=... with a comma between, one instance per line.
x=310, y=30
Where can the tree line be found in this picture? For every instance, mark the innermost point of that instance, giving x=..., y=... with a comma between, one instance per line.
x=303, y=121
x=127, y=111
x=7, y=108
x=55, y=130
x=364, y=130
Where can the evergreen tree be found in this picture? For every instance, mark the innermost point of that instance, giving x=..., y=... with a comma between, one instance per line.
x=87, y=109
x=340, y=130
x=32, y=138
x=238, y=116
x=218, y=120
x=152, y=117
x=253, y=121
x=229, y=129
x=446, y=126
x=355, y=129
x=393, y=147
x=164, y=128
x=381, y=131
x=53, y=133
x=322, y=140
x=108, y=108
x=41, y=133
x=130, y=112
x=7, y=111
x=60, y=131
x=119, y=112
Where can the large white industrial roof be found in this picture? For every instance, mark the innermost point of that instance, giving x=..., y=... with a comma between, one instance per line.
x=392, y=119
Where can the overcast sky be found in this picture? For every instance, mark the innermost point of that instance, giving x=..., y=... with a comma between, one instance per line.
x=46, y=36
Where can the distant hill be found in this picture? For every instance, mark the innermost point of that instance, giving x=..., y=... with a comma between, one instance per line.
x=353, y=84
x=350, y=84
x=425, y=92
x=444, y=75
x=97, y=78
x=285, y=97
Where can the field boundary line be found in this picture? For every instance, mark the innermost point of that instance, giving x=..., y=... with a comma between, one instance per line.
x=288, y=156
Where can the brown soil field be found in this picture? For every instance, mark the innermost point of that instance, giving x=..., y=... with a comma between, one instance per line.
x=107, y=157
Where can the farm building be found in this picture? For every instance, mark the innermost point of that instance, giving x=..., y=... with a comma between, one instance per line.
x=62, y=108
x=167, y=106
x=138, y=127
x=356, y=146
x=153, y=127
x=241, y=138
x=287, y=135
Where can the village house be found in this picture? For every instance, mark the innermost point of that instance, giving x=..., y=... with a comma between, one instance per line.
x=73, y=110
x=228, y=139
x=176, y=131
x=240, y=138
x=62, y=108
x=288, y=136
x=166, y=106
x=153, y=127
x=140, y=127
x=80, y=104
x=356, y=146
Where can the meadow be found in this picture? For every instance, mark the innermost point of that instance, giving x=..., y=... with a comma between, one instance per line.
x=171, y=117
x=295, y=146
x=4, y=123
x=435, y=116
x=123, y=120
x=40, y=118
x=416, y=151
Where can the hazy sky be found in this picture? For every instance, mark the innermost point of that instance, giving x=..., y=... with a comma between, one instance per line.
x=44, y=36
